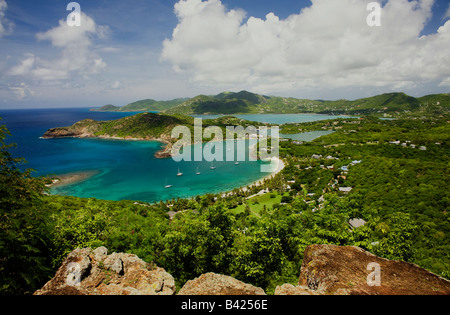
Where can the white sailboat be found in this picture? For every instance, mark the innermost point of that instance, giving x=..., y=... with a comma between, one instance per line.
x=179, y=173
x=197, y=172
x=167, y=186
x=212, y=166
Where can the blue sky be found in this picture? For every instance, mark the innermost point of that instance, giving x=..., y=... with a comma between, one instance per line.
x=163, y=49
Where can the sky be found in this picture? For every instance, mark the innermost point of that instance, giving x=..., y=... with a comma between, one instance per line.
x=124, y=51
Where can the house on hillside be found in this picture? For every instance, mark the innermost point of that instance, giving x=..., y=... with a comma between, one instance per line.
x=345, y=189
x=356, y=223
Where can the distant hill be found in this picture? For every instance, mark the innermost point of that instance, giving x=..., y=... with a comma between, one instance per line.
x=385, y=103
x=229, y=103
x=244, y=102
x=147, y=105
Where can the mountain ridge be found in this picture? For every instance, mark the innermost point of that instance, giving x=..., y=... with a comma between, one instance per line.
x=244, y=102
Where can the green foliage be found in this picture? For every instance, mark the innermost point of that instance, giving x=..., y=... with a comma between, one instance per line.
x=120, y=226
x=390, y=104
x=143, y=106
x=23, y=226
x=78, y=228
x=198, y=244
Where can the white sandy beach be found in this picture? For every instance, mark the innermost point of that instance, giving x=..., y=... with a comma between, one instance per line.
x=277, y=164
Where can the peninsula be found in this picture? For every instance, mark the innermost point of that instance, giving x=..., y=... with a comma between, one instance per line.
x=142, y=126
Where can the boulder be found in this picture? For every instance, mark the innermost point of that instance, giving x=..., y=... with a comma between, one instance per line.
x=94, y=272
x=215, y=284
x=337, y=270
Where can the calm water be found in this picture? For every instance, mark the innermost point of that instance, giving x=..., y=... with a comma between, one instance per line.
x=126, y=170
x=307, y=136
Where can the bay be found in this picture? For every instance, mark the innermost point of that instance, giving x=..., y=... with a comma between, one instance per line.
x=123, y=170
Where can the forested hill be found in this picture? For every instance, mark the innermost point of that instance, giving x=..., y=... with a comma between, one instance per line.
x=142, y=126
x=145, y=126
x=244, y=102
x=147, y=105
x=390, y=104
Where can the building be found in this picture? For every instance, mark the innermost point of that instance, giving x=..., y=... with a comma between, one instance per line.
x=356, y=223
x=345, y=189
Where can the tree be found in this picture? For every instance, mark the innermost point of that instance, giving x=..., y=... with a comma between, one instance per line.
x=196, y=244
x=398, y=244
x=24, y=231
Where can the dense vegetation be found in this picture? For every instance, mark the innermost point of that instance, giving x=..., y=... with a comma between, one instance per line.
x=142, y=106
x=144, y=126
x=398, y=172
x=389, y=105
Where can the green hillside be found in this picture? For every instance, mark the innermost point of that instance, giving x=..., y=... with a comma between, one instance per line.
x=389, y=104
x=242, y=102
x=141, y=126
x=143, y=106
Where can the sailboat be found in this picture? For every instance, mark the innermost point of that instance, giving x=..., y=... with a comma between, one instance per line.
x=237, y=163
x=212, y=166
x=197, y=172
x=167, y=186
x=179, y=173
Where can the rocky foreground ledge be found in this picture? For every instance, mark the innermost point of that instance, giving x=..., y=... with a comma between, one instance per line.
x=326, y=270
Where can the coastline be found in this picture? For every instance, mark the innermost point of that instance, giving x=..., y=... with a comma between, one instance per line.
x=164, y=152
x=280, y=166
x=71, y=178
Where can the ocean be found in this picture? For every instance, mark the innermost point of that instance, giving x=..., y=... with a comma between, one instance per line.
x=122, y=170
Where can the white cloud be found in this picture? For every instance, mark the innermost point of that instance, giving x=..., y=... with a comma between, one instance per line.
x=116, y=85
x=21, y=91
x=328, y=44
x=75, y=48
x=5, y=25
x=24, y=67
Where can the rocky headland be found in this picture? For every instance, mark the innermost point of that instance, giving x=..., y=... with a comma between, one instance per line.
x=140, y=127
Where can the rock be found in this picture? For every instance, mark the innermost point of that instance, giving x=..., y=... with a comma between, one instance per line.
x=289, y=289
x=336, y=270
x=100, y=253
x=214, y=284
x=94, y=272
x=114, y=263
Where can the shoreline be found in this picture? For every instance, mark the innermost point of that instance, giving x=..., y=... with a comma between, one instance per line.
x=164, y=152
x=71, y=178
x=280, y=166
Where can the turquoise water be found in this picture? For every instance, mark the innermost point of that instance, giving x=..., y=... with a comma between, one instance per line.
x=125, y=170
x=129, y=171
